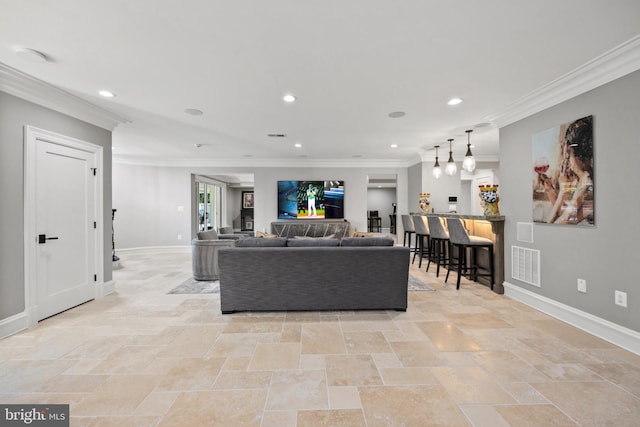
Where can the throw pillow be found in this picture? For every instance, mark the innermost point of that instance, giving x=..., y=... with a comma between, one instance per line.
x=226, y=230
x=362, y=234
x=265, y=235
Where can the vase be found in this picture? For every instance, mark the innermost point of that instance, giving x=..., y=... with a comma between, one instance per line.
x=489, y=199
x=424, y=203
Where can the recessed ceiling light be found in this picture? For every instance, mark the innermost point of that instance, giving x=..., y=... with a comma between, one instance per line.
x=397, y=114
x=31, y=54
x=454, y=101
x=193, y=112
x=394, y=146
x=298, y=145
x=289, y=98
x=106, y=94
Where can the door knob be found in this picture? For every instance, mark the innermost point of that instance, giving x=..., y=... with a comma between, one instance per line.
x=42, y=238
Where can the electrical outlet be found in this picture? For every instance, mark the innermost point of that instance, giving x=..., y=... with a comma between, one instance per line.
x=582, y=285
x=621, y=298
x=179, y=236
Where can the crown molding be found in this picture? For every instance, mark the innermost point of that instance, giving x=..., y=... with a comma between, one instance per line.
x=261, y=163
x=17, y=83
x=618, y=62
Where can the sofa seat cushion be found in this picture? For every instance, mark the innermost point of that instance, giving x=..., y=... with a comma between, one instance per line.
x=261, y=242
x=366, y=241
x=312, y=241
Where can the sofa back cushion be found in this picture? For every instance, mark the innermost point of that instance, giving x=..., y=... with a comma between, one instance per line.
x=252, y=242
x=207, y=235
x=366, y=241
x=312, y=241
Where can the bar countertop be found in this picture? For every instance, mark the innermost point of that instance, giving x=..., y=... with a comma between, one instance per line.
x=463, y=216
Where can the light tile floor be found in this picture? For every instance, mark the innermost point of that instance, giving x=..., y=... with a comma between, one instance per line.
x=141, y=357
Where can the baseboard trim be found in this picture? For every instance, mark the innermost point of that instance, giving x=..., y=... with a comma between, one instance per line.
x=153, y=248
x=106, y=288
x=601, y=328
x=14, y=324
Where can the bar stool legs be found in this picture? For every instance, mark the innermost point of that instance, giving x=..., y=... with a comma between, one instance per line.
x=420, y=238
x=460, y=240
x=438, y=253
x=470, y=267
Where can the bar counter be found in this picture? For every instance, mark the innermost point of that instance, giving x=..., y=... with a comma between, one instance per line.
x=491, y=227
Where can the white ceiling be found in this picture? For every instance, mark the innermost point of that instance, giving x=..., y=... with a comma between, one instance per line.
x=350, y=63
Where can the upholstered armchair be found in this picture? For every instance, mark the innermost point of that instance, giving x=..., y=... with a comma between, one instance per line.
x=204, y=254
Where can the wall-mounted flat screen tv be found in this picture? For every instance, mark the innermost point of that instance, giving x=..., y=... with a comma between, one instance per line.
x=310, y=199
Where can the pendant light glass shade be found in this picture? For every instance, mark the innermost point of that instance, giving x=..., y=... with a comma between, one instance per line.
x=451, y=168
x=469, y=163
x=437, y=170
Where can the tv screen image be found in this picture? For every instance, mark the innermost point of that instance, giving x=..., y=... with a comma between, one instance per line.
x=310, y=199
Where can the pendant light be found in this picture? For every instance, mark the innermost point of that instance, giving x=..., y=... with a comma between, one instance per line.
x=451, y=167
x=469, y=163
x=437, y=170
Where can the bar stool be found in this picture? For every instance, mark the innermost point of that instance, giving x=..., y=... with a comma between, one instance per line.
x=439, y=242
x=375, y=222
x=460, y=238
x=407, y=225
x=422, y=233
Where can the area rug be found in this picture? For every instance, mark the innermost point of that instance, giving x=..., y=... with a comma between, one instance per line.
x=192, y=286
x=416, y=284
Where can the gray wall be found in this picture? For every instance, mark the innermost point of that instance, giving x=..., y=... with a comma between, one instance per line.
x=606, y=255
x=147, y=198
x=414, y=188
x=441, y=188
x=15, y=113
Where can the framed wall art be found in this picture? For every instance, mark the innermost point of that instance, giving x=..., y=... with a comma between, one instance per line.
x=247, y=200
x=563, y=174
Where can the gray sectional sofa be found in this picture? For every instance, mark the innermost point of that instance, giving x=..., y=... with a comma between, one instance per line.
x=313, y=274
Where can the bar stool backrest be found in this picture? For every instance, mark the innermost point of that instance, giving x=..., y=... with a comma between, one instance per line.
x=436, y=228
x=420, y=224
x=407, y=223
x=457, y=233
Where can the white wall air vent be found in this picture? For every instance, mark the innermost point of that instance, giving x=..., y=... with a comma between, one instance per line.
x=525, y=265
x=525, y=232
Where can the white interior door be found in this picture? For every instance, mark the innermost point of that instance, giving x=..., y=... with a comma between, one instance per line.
x=65, y=221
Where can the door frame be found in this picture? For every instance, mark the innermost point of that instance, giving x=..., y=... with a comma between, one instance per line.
x=195, y=195
x=31, y=136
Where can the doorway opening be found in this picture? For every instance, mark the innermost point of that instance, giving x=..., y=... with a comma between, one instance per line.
x=382, y=202
x=209, y=204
